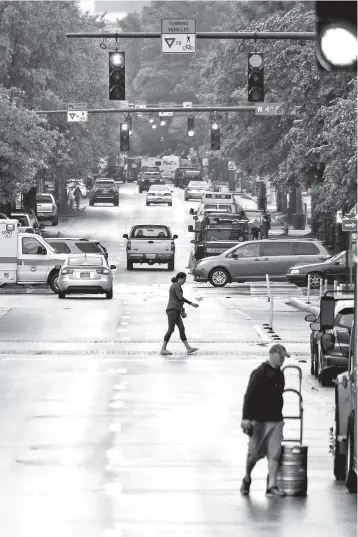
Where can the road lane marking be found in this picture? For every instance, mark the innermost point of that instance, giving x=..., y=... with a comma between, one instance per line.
x=262, y=334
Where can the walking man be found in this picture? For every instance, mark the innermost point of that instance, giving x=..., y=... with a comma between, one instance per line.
x=78, y=195
x=265, y=224
x=262, y=418
x=175, y=311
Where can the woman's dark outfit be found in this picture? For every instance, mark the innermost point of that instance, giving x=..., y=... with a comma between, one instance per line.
x=175, y=305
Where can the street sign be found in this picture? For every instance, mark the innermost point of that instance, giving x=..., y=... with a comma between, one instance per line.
x=77, y=116
x=187, y=104
x=77, y=106
x=166, y=114
x=339, y=217
x=178, y=26
x=269, y=109
x=349, y=224
x=231, y=165
x=205, y=161
x=178, y=44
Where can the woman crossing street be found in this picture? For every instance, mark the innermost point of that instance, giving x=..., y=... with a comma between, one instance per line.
x=175, y=312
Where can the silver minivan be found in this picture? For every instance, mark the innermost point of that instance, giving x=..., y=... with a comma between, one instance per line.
x=252, y=260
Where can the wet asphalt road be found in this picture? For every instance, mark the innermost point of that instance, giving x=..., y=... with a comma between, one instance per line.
x=102, y=437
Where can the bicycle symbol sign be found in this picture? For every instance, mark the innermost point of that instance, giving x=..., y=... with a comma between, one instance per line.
x=178, y=44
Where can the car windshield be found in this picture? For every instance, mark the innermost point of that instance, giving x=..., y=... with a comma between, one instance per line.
x=158, y=188
x=88, y=260
x=150, y=232
x=153, y=169
x=338, y=257
x=106, y=184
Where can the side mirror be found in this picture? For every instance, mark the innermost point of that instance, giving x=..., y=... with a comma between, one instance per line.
x=113, y=267
x=311, y=318
x=315, y=327
x=191, y=211
x=191, y=229
x=195, y=218
x=327, y=342
x=42, y=226
x=337, y=263
x=41, y=250
x=125, y=236
x=175, y=237
x=235, y=256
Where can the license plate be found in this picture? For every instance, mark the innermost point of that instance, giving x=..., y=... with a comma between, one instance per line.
x=151, y=256
x=159, y=199
x=85, y=275
x=42, y=214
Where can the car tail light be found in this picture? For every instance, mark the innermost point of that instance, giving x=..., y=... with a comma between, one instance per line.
x=67, y=271
x=102, y=270
x=167, y=194
x=128, y=245
x=172, y=246
x=54, y=206
x=151, y=194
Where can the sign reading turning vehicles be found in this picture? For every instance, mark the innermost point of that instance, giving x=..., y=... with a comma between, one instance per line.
x=178, y=36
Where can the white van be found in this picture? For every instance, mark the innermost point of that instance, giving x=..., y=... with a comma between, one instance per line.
x=26, y=258
x=170, y=164
x=217, y=201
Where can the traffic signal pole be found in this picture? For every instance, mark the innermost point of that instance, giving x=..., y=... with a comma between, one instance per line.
x=242, y=108
x=307, y=36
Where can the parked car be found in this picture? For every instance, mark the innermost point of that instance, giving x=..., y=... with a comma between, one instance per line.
x=85, y=274
x=28, y=222
x=252, y=260
x=149, y=176
x=331, y=269
x=195, y=190
x=47, y=208
x=327, y=363
x=104, y=190
x=66, y=245
x=150, y=244
x=159, y=194
x=183, y=176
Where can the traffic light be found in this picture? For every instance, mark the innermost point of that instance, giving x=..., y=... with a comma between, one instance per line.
x=117, y=83
x=336, y=29
x=255, y=77
x=215, y=135
x=124, y=136
x=191, y=130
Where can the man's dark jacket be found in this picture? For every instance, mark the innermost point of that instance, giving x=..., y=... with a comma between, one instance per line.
x=263, y=399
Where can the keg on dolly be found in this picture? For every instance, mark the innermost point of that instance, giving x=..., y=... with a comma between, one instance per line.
x=292, y=472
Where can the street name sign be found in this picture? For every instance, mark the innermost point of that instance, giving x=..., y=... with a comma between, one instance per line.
x=77, y=112
x=178, y=36
x=166, y=114
x=269, y=109
x=349, y=224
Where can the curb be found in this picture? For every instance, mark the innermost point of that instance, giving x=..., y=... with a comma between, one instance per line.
x=298, y=304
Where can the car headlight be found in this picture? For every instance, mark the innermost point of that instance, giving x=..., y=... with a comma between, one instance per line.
x=294, y=271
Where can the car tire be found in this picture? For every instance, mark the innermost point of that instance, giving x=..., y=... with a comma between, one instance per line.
x=116, y=204
x=61, y=294
x=140, y=190
x=91, y=203
x=315, y=278
x=315, y=366
x=350, y=475
x=324, y=377
x=219, y=277
x=171, y=266
x=312, y=361
x=109, y=294
x=129, y=265
x=52, y=281
x=170, y=204
x=147, y=203
x=339, y=460
x=54, y=222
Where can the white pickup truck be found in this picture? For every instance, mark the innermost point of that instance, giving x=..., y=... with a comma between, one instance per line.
x=150, y=244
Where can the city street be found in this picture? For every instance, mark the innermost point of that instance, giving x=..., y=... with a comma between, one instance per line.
x=101, y=436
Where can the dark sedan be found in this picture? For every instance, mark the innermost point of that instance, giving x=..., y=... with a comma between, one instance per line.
x=331, y=269
x=326, y=363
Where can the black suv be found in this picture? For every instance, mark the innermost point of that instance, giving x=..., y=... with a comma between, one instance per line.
x=183, y=176
x=104, y=190
x=150, y=176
